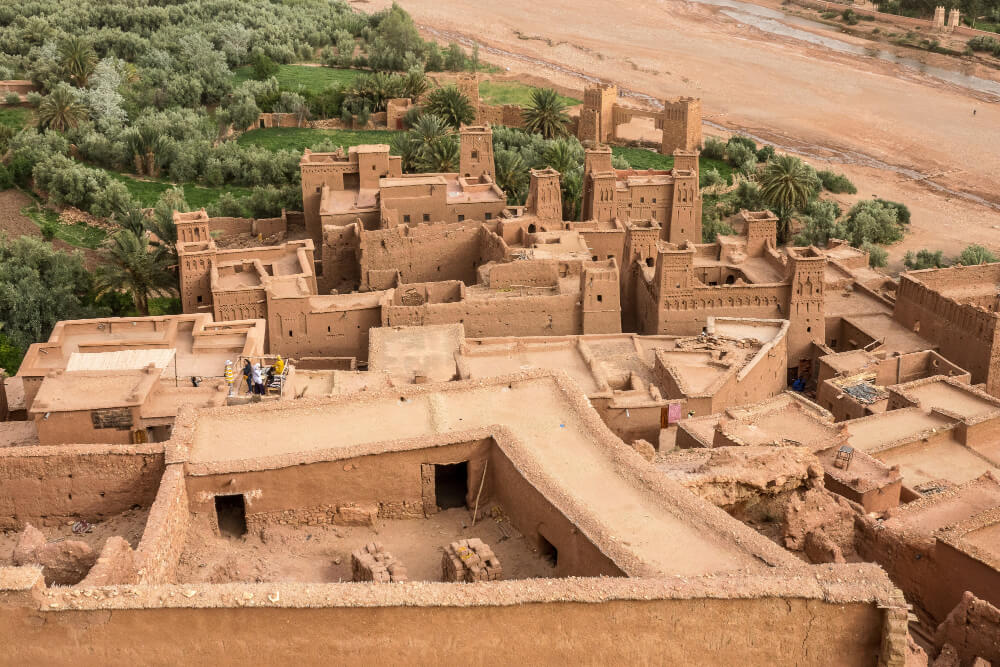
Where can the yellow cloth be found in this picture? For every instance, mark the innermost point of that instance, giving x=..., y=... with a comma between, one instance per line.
x=279, y=366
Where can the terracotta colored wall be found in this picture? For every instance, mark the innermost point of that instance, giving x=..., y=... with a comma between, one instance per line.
x=45, y=486
x=78, y=428
x=341, y=333
x=424, y=253
x=166, y=529
x=973, y=628
x=392, y=480
x=513, y=316
x=697, y=631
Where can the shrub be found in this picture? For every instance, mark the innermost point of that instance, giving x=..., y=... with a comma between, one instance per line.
x=738, y=154
x=924, y=259
x=976, y=254
x=712, y=226
x=34, y=98
x=711, y=177
x=849, y=17
x=13, y=99
x=836, y=183
x=874, y=222
x=6, y=177
x=263, y=67
x=740, y=140
x=765, y=153
x=714, y=148
x=877, y=256
x=49, y=228
x=984, y=43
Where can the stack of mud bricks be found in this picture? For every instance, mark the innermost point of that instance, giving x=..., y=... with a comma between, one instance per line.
x=373, y=563
x=470, y=560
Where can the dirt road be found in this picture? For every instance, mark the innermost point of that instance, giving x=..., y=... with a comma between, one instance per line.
x=889, y=127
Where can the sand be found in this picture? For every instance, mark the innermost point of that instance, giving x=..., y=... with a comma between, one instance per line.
x=866, y=116
x=315, y=554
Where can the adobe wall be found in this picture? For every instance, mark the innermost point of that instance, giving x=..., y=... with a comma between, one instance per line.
x=523, y=315
x=19, y=86
x=686, y=314
x=423, y=253
x=965, y=335
x=78, y=426
x=972, y=628
x=166, y=529
x=777, y=626
x=287, y=490
x=303, y=327
x=52, y=485
x=340, y=264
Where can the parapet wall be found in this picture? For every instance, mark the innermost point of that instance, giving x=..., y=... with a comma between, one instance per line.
x=777, y=618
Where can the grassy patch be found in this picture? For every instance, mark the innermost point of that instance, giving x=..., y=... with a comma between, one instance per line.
x=78, y=234
x=512, y=92
x=296, y=77
x=147, y=192
x=301, y=138
x=15, y=117
x=640, y=158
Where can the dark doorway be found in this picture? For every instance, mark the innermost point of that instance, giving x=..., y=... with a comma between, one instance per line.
x=232, y=514
x=451, y=484
x=548, y=551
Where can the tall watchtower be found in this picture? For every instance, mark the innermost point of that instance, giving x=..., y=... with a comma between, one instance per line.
x=476, y=156
x=544, y=194
x=598, y=184
x=681, y=125
x=807, y=324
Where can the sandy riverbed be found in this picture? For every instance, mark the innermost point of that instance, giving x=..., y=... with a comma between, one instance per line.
x=824, y=103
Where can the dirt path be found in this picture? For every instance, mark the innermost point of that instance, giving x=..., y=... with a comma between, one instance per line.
x=14, y=224
x=892, y=128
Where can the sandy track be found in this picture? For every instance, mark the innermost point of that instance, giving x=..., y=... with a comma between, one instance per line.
x=824, y=103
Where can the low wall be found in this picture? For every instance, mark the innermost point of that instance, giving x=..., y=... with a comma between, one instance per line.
x=972, y=628
x=53, y=485
x=166, y=529
x=775, y=619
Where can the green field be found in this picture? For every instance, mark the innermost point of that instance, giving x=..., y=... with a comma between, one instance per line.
x=301, y=138
x=296, y=77
x=147, y=192
x=79, y=234
x=640, y=158
x=15, y=117
x=511, y=92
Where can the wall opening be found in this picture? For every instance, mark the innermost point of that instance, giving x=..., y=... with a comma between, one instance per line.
x=548, y=551
x=232, y=515
x=451, y=484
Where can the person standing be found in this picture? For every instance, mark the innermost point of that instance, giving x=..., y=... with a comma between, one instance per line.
x=258, y=381
x=247, y=373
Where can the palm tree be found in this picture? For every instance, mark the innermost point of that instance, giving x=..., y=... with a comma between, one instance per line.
x=440, y=156
x=546, y=114
x=60, y=110
x=786, y=185
x=512, y=174
x=415, y=84
x=449, y=103
x=130, y=264
x=78, y=59
x=563, y=155
x=147, y=145
x=429, y=127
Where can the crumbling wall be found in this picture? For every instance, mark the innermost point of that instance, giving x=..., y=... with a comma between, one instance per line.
x=166, y=529
x=115, y=565
x=331, y=326
x=972, y=629
x=339, y=253
x=423, y=253
x=51, y=486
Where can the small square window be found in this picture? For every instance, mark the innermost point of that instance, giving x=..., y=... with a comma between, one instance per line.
x=489, y=216
x=461, y=218
x=427, y=217
x=475, y=155
x=199, y=298
x=319, y=188
x=406, y=218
